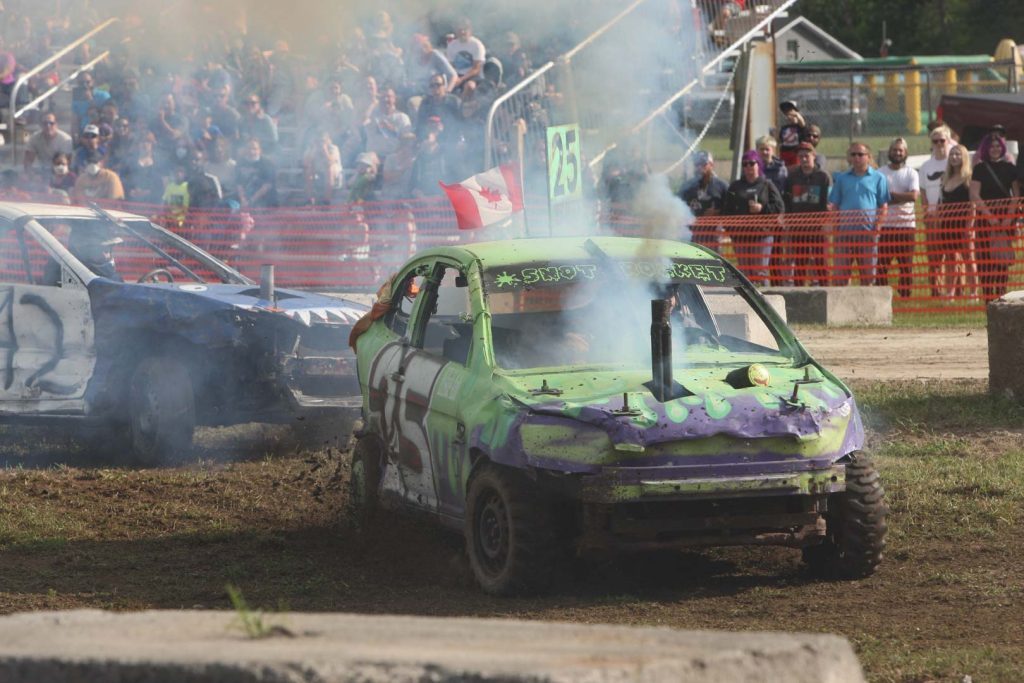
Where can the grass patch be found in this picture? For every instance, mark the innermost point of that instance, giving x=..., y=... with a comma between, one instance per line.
x=892, y=661
x=934, y=407
x=952, y=498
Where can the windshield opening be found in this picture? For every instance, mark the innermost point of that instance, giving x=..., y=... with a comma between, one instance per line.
x=607, y=321
x=130, y=252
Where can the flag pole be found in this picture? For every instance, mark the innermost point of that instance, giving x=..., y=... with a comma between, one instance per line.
x=521, y=152
x=547, y=188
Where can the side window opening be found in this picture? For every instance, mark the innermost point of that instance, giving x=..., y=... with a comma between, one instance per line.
x=22, y=259
x=404, y=301
x=449, y=326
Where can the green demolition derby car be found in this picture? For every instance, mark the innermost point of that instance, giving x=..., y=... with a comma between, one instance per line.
x=564, y=395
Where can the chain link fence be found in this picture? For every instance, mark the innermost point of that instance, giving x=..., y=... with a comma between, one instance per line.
x=885, y=101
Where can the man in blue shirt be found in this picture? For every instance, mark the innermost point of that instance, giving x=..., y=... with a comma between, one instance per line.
x=861, y=194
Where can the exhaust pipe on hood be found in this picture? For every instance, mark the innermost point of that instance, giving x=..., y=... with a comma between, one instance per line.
x=267, y=282
x=661, y=350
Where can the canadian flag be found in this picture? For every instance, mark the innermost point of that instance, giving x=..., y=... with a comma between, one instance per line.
x=486, y=198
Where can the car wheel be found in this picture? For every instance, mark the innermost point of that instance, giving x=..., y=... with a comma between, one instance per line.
x=510, y=535
x=855, y=536
x=364, y=481
x=163, y=413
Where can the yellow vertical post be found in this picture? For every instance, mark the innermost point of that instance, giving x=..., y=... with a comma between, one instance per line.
x=912, y=101
x=949, y=82
x=892, y=92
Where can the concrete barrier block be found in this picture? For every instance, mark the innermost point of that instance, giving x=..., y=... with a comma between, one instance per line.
x=1006, y=345
x=207, y=647
x=836, y=305
x=735, y=318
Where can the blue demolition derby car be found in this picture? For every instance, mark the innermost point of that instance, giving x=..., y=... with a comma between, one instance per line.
x=121, y=324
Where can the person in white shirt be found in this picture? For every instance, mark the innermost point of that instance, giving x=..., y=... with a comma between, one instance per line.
x=896, y=236
x=930, y=179
x=466, y=53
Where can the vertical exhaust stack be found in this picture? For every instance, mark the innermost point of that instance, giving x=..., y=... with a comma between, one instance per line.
x=267, y=282
x=661, y=350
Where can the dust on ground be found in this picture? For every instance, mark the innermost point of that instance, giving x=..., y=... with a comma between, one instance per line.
x=891, y=353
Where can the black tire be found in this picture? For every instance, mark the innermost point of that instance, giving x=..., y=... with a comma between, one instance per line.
x=511, y=536
x=162, y=407
x=856, y=528
x=364, y=481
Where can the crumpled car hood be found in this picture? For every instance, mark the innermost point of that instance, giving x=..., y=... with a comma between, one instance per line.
x=621, y=406
x=304, y=307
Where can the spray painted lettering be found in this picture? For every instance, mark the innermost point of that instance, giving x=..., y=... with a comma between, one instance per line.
x=672, y=271
x=36, y=379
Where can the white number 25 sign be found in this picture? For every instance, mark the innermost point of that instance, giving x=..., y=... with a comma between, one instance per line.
x=564, y=163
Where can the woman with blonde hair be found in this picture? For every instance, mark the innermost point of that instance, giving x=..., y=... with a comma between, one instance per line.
x=953, y=240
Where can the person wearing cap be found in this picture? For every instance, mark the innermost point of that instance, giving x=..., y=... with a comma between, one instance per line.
x=792, y=132
x=95, y=249
x=861, y=196
x=45, y=143
x=705, y=195
x=896, y=237
x=88, y=142
x=97, y=182
x=753, y=195
x=365, y=181
x=806, y=192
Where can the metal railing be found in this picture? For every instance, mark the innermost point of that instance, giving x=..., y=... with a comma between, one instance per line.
x=14, y=112
x=717, y=35
x=753, y=30
x=520, y=107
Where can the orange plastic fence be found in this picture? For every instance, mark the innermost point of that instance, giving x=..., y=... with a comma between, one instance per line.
x=950, y=261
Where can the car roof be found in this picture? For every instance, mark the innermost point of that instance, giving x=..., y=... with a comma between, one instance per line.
x=15, y=210
x=534, y=249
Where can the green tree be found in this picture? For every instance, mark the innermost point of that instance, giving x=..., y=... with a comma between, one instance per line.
x=919, y=27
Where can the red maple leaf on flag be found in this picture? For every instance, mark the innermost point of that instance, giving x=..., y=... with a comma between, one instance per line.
x=491, y=194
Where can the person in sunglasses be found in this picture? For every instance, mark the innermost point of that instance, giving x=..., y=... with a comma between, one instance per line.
x=45, y=143
x=861, y=197
x=753, y=195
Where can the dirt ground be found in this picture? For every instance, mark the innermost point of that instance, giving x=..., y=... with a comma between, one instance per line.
x=258, y=513
x=899, y=353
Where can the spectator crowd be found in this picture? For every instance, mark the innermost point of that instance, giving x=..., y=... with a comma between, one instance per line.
x=971, y=208
x=384, y=113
